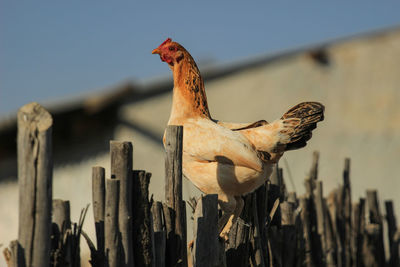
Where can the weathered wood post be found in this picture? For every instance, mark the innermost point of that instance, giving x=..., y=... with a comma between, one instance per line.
x=305, y=215
x=358, y=231
x=375, y=229
x=61, y=250
x=35, y=171
x=98, y=199
x=392, y=229
x=61, y=214
x=176, y=238
x=289, y=240
x=262, y=213
x=346, y=200
x=237, y=250
x=257, y=258
x=111, y=231
x=121, y=169
x=159, y=234
x=205, y=231
x=141, y=212
x=320, y=211
x=311, y=229
x=334, y=207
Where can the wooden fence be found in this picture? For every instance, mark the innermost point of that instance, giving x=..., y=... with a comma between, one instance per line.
x=276, y=228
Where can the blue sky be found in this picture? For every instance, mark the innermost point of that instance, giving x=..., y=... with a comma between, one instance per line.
x=50, y=50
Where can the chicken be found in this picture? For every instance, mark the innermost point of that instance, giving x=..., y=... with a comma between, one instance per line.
x=228, y=159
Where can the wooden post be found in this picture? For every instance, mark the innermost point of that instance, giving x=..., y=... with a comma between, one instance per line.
x=142, y=232
x=35, y=171
x=262, y=213
x=392, y=229
x=376, y=231
x=111, y=231
x=62, y=243
x=331, y=247
x=237, y=250
x=61, y=214
x=205, y=231
x=289, y=240
x=121, y=168
x=176, y=241
x=98, y=199
x=257, y=254
x=169, y=217
x=346, y=200
x=321, y=217
x=358, y=232
x=371, y=250
x=336, y=209
x=274, y=192
x=312, y=221
x=159, y=234
x=305, y=215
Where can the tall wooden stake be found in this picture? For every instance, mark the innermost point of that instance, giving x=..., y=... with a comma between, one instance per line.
x=121, y=168
x=142, y=232
x=205, y=231
x=111, y=231
x=35, y=171
x=176, y=242
x=98, y=199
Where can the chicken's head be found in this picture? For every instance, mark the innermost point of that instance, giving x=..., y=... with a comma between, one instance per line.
x=170, y=52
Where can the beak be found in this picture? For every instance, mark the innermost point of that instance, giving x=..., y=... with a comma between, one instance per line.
x=156, y=51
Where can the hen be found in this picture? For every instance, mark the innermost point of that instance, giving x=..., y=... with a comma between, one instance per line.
x=228, y=159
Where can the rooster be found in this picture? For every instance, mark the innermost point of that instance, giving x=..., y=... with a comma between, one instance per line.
x=228, y=159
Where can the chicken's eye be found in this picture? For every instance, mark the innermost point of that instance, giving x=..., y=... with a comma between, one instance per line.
x=171, y=48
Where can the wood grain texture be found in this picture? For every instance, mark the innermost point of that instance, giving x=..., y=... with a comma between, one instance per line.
x=205, y=231
x=35, y=171
x=289, y=240
x=392, y=229
x=61, y=214
x=159, y=234
x=142, y=228
x=346, y=200
x=121, y=168
x=375, y=228
x=173, y=195
x=111, y=231
x=98, y=203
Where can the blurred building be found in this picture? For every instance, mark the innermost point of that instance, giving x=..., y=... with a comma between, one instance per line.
x=357, y=79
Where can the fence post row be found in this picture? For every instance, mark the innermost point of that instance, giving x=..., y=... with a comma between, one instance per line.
x=276, y=228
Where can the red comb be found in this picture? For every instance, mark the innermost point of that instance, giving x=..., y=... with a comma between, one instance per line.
x=166, y=41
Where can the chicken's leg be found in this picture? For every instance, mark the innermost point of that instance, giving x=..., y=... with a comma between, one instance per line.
x=229, y=215
x=228, y=206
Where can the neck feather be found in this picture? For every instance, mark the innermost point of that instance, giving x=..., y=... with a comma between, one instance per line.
x=189, y=96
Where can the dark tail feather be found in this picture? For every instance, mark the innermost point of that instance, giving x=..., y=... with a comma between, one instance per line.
x=307, y=115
